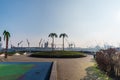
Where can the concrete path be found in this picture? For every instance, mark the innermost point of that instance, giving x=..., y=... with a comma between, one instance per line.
x=68, y=69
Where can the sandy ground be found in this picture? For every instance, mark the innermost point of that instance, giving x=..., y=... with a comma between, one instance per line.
x=68, y=69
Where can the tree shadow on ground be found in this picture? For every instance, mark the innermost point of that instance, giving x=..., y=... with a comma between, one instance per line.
x=93, y=73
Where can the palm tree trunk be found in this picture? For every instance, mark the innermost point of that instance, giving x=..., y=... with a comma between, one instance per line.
x=6, y=47
x=63, y=43
x=52, y=44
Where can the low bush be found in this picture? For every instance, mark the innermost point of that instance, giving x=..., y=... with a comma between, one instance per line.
x=58, y=54
x=10, y=53
x=109, y=62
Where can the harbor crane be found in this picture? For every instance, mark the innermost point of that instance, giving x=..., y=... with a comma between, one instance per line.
x=71, y=45
x=40, y=42
x=19, y=43
x=28, y=43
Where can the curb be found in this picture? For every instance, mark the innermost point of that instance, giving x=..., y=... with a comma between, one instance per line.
x=53, y=75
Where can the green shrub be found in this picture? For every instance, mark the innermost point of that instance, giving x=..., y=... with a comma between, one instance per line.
x=109, y=62
x=58, y=54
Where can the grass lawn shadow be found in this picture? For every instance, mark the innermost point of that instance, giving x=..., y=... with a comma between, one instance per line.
x=93, y=73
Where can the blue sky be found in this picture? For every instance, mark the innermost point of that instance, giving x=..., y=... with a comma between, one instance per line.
x=87, y=22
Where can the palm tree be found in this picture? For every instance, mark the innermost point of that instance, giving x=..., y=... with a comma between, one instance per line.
x=53, y=35
x=6, y=35
x=63, y=35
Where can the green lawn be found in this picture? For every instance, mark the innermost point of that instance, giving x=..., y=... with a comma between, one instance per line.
x=13, y=71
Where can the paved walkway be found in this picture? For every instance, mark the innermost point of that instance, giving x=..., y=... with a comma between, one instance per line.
x=68, y=69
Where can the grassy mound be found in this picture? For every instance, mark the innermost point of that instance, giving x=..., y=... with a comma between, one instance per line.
x=58, y=54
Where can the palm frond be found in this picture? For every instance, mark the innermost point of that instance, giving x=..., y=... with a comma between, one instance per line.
x=63, y=35
x=6, y=34
x=52, y=35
